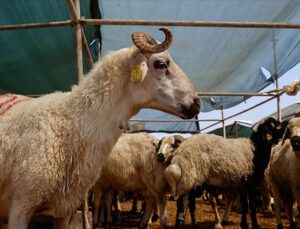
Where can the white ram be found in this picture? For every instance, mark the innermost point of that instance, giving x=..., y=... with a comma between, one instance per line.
x=52, y=148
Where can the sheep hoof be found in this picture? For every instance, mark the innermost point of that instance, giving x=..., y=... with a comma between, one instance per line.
x=179, y=224
x=133, y=210
x=118, y=222
x=108, y=225
x=218, y=226
x=143, y=226
x=244, y=225
x=292, y=225
x=225, y=222
x=99, y=224
x=155, y=217
x=279, y=226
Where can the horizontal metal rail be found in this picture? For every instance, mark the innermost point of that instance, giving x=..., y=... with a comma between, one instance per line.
x=173, y=120
x=266, y=93
x=246, y=94
x=220, y=24
x=243, y=111
x=261, y=25
x=37, y=25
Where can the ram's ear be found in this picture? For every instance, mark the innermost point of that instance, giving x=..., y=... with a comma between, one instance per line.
x=178, y=140
x=138, y=68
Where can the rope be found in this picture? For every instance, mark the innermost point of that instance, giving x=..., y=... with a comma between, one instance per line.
x=293, y=88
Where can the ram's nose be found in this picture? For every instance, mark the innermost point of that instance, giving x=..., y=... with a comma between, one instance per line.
x=295, y=141
x=192, y=110
x=161, y=157
x=195, y=107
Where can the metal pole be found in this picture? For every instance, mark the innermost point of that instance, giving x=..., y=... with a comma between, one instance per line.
x=78, y=44
x=73, y=10
x=87, y=49
x=265, y=25
x=223, y=122
x=76, y=16
x=36, y=25
x=246, y=94
x=279, y=116
x=261, y=25
x=197, y=124
x=172, y=120
x=264, y=94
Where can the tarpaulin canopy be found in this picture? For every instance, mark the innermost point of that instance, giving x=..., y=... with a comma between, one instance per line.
x=215, y=59
x=40, y=61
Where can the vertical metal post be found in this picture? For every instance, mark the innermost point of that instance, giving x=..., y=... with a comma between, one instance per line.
x=78, y=44
x=279, y=116
x=223, y=122
x=85, y=223
x=197, y=124
x=236, y=129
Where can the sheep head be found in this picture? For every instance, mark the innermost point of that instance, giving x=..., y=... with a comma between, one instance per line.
x=166, y=147
x=294, y=133
x=157, y=81
x=268, y=131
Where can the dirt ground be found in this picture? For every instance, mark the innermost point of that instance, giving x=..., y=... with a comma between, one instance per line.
x=205, y=217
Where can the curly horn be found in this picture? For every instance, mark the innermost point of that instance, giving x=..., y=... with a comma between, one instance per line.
x=147, y=44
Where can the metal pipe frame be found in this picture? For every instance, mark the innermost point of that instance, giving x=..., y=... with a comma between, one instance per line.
x=81, y=41
x=241, y=112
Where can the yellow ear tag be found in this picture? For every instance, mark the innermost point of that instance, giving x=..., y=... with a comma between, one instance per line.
x=269, y=137
x=136, y=73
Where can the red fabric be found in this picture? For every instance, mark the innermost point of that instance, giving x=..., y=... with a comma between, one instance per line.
x=8, y=101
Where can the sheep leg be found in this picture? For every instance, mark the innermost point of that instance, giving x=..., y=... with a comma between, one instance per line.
x=162, y=210
x=298, y=207
x=228, y=204
x=213, y=203
x=143, y=206
x=155, y=215
x=252, y=205
x=117, y=207
x=61, y=223
x=182, y=204
x=277, y=205
x=2, y=224
x=108, y=207
x=289, y=212
x=97, y=202
x=101, y=221
x=134, y=203
x=244, y=203
x=192, y=207
x=19, y=217
x=85, y=213
x=150, y=202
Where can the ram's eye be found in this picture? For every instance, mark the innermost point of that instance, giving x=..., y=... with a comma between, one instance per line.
x=160, y=64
